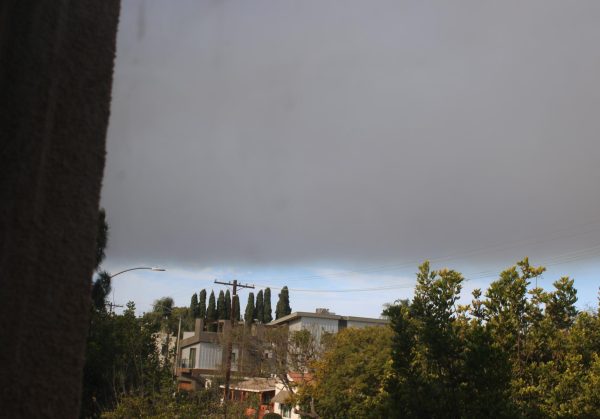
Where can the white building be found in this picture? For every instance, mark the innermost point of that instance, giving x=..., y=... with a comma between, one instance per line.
x=322, y=320
x=319, y=322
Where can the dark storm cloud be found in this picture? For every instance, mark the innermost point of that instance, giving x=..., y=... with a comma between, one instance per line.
x=351, y=132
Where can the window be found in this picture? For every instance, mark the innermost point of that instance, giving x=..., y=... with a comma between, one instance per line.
x=286, y=411
x=192, y=357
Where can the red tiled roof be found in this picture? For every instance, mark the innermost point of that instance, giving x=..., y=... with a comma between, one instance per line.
x=299, y=377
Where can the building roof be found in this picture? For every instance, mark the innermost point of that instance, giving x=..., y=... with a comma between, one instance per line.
x=282, y=397
x=299, y=377
x=255, y=385
x=297, y=314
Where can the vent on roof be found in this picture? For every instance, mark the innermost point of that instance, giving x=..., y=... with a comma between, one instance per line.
x=322, y=311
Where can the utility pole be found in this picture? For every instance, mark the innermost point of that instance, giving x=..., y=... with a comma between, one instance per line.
x=233, y=320
x=113, y=305
x=177, y=348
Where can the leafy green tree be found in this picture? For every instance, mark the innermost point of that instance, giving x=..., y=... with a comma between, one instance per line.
x=202, y=305
x=164, y=307
x=211, y=312
x=227, y=305
x=260, y=307
x=283, y=305
x=294, y=351
x=439, y=355
x=121, y=358
x=168, y=402
x=560, y=305
x=350, y=376
x=267, y=312
x=249, y=313
x=194, y=307
x=221, y=310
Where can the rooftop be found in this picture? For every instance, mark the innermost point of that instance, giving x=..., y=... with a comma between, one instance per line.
x=255, y=384
x=326, y=315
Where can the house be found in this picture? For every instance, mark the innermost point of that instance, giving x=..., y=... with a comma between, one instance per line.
x=202, y=353
x=281, y=401
x=319, y=322
x=322, y=320
x=165, y=344
x=262, y=388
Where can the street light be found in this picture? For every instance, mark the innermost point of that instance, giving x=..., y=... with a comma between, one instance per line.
x=153, y=268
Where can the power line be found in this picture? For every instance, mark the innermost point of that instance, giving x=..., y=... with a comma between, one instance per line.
x=564, y=258
x=456, y=255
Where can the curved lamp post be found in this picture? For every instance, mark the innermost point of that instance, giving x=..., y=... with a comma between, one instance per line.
x=154, y=268
x=141, y=267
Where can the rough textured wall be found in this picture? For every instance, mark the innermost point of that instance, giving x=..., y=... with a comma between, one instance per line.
x=56, y=63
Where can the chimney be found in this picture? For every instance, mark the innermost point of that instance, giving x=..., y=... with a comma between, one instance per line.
x=198, y=327
x=322, y=311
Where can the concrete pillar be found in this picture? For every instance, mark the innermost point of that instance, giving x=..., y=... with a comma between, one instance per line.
x=56, y=64
x=198, y=327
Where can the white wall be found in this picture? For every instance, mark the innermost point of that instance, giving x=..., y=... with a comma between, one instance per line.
x=209, y=356
x=185, y=354
x=317, y=326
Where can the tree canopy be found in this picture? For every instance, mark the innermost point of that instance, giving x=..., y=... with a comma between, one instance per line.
x=259, y=310
x=283, y=305
x=194, y=306
x=202, y=304
x=211, y=312
x=518, y=351
x=267, y=311
x=249, y=313
x=350, y=376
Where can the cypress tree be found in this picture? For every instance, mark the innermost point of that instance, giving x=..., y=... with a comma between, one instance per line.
x=267, y=314
x=211, y=311
x=236, y=308
x=260, y=307
x=227, y=305
x=221, y=305
x=283, y=305
x=194, y=307
x=249, y=314
x=202, y=305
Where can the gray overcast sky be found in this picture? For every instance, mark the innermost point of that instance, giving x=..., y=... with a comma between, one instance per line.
x=352, y=133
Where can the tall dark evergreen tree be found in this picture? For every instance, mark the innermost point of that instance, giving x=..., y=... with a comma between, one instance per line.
x=101, y=237
x=249, y=314
x=236, y=308
x=221, y=306
x=100, y=290
x=194, y=306
x=211, y=312
x=267, y=312
x=102, y=285
x=227, y=305
x=202, y=305
x=283, y=305
x=260, y=307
